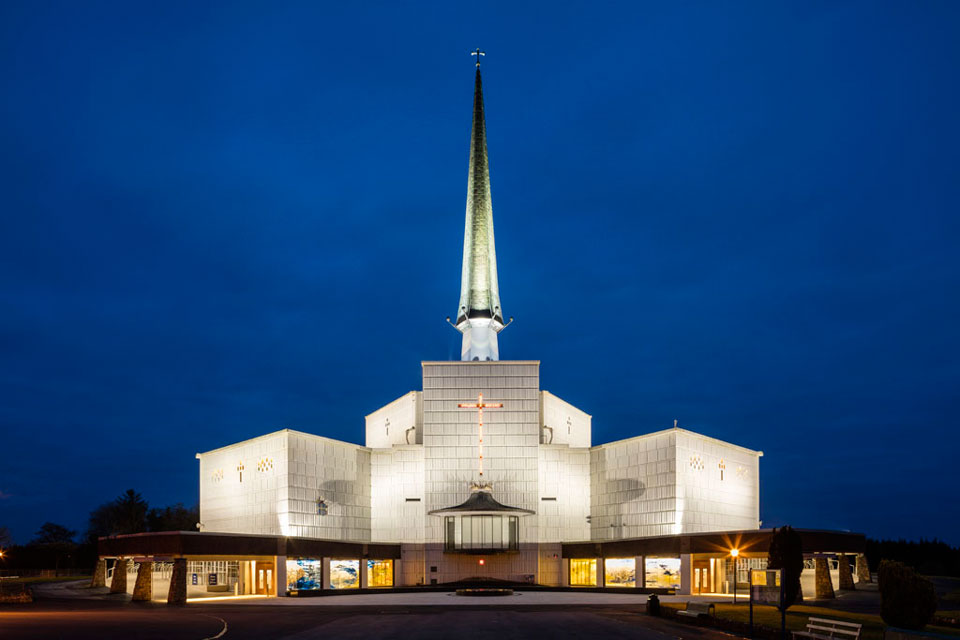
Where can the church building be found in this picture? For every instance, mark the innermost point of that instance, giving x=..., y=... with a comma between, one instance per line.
x=478, y=476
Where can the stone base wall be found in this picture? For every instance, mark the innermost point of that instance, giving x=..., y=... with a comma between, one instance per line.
x=99, y=574
x=824, y=584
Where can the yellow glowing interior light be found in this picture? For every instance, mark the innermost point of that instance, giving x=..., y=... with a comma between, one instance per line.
x=734, y=552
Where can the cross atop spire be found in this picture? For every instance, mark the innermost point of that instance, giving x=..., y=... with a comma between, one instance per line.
x=478, y=53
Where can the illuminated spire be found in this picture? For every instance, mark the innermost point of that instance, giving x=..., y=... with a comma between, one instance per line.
x=479, y=317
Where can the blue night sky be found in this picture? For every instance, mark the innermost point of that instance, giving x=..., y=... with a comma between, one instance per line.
x=219, y=220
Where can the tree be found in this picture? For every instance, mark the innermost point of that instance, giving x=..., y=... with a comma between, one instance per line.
x=173, y=518
x=786, y=554
x=907, y=600
x=6, y=539
x=54, y=541
x=126, y=514
x=52, y=533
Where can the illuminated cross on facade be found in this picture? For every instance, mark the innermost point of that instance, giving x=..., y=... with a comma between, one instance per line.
x=721, y=466
x=480, y=405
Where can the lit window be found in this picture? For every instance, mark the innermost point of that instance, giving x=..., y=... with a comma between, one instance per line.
x=696, y=462
x=304, y=574
x=583, y=572
x=265, y=464
x=344, y=574
x=380, y=573
x=620, y=572
x=662, y=573
x=217, y=475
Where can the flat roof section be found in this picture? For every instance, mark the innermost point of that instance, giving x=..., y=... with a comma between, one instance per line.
x=750, y=541
x=197, y=543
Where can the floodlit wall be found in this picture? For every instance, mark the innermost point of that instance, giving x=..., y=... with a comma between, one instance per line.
x=391, y=425
x=337, y=473
x=242, y=486
x=718, y=486
x=563, y=423
x=510, y=447
x=396, y=492
x=564, y=493
x=271, y=485
x=633, y=487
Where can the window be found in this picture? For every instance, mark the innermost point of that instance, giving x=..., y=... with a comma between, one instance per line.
x=583, y=572
x=662, y=573
x=481, y=533
x=620, y=572
x=344, y=574
x=380, y=573
x=304, y=574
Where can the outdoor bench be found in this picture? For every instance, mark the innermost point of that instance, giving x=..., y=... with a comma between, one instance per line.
x=821, y=628
x=696, y=609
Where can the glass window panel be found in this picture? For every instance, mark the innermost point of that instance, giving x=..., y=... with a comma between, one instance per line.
x=620, y=572
x=344, y=574
x=304, y=574
x=662, y=573
x=380, y=573
x=583, y=572
x=477, y=533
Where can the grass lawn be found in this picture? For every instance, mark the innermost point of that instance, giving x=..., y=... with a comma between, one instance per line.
x=797, y=618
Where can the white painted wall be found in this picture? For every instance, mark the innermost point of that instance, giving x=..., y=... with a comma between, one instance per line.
x=254, y=504
x=565, y=477
x=633, y=487
x=563, y=422
x=284, y=473
x=388, y=425
x=705, y=502
x=397, y=494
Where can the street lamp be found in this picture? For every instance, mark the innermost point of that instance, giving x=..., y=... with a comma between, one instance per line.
x=735, y=553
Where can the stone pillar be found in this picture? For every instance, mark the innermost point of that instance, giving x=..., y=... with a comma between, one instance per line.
x=178, y=582
x=640, y=573
x=119, y=582
x=326, y=573
x=565, y=572
x=282, y=576
x=863, y=569
x=601, y=572
x=397, y=573
x=99, y=574
x=822, y=579
x=143, y=587
x=364, y=574
x=846, y=576
x=686, y=574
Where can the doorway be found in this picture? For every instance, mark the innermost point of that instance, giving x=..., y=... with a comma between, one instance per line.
x=702, y=582
x=263, y=580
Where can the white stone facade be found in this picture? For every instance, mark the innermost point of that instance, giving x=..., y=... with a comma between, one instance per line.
x=421, y=454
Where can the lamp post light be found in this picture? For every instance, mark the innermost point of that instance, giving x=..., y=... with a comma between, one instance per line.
x=735, y=553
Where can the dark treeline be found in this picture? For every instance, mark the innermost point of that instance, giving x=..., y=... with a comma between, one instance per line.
x=63, y=550
x=928, y=557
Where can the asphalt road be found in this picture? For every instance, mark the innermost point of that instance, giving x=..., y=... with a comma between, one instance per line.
x=104, y=619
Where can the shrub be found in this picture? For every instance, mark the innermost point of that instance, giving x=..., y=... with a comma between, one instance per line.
x=907, y=599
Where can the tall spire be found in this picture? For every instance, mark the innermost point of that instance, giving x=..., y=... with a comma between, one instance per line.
x=479, y=317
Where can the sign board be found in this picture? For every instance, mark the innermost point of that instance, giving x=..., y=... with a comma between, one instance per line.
x=765, y=586
x=211, y=579
x=193, y=579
